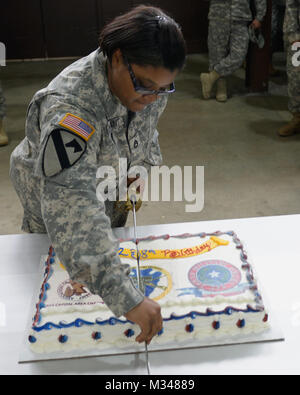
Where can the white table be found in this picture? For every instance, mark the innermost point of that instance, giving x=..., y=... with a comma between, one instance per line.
x=273, y=245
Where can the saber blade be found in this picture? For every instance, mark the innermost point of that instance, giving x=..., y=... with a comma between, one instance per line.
x=139, y=280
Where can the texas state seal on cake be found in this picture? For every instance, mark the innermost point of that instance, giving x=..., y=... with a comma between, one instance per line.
x=203, y=282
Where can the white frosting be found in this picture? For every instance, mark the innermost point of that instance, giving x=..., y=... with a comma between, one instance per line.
x=180, y=286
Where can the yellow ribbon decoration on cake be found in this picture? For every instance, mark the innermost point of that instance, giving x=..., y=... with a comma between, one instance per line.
x=207, y=246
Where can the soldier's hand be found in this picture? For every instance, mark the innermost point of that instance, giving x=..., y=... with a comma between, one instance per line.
x=129, y=204
x=148, y=316
x=133, y=195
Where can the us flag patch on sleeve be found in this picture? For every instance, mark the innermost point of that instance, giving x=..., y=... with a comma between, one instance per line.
x=78, y=126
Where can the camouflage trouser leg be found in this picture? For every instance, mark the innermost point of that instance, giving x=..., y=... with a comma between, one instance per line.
x=28, y=190
x=2, y=103
x=228, y=45
x=293, y=73
x=278, y=12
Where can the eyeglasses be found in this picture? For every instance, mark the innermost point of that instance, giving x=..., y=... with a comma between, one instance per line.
x=143, y=91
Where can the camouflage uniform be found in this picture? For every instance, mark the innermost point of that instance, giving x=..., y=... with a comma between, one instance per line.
x=278, y=11
x=292, y=33
x=65, y=205
x=228, y=37
x=2, y=103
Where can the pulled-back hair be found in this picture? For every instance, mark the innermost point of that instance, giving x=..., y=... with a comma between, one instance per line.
x=146, y=36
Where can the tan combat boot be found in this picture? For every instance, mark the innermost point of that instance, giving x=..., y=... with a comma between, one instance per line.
x=221, y=95
x=3, y=135
x=208, y=80
x=292, y=127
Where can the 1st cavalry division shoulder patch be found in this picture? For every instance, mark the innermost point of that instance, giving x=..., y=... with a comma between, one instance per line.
x=65, y=147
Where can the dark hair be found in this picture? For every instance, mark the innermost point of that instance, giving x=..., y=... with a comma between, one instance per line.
x=146, y=36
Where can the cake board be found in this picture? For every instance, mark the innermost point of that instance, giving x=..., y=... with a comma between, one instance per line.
x=26, y=356
x=274, y=334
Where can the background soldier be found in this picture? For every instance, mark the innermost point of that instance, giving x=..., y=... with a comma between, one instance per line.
x=3, y=136
x=228, y=41
x=292, y=35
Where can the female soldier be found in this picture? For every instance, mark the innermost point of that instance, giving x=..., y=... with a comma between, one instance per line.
x=99, y=109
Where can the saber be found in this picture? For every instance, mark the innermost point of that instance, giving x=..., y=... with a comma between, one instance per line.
x=140, y=283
